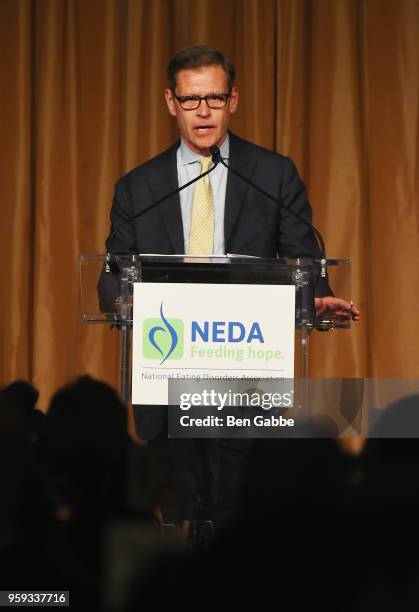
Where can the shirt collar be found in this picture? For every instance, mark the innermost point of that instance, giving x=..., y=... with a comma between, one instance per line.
x=190, y=157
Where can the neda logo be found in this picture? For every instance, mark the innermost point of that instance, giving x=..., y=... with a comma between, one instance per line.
x=163, y=338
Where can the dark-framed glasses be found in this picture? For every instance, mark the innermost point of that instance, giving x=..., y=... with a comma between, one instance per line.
x=212, y=100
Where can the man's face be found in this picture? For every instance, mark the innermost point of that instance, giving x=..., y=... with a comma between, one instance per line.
x=203, y=127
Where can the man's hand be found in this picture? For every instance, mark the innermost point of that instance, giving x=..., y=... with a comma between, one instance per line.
x=335, y=308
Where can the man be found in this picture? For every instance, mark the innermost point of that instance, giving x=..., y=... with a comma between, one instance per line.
x=202, y=97
x=219, y=214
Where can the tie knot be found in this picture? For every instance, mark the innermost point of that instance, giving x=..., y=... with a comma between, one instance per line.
x=206, y=163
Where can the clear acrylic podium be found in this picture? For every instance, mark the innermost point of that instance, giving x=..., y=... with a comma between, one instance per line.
x=106, y=283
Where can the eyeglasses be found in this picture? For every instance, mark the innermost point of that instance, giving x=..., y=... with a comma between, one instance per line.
x=212, y=100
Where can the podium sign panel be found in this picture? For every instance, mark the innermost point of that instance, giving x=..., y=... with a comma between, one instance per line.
x=185, y=331
x=232, y=320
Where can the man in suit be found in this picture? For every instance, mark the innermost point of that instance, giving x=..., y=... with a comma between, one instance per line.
x=250, y=224
x=234, y=218
x=202, y=97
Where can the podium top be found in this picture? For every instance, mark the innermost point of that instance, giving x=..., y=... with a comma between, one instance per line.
x=104, y=279
x=228, y=259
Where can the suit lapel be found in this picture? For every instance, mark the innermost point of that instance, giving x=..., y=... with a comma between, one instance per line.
x=242, y=160
x=162, y=182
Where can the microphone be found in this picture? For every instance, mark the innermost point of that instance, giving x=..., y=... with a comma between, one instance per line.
x=150, y=207
x=216, y=158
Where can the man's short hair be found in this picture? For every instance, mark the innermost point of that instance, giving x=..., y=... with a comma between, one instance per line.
x=199, y=56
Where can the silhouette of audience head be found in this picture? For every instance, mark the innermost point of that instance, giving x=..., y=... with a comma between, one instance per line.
x=84, y=445
x=22, y=395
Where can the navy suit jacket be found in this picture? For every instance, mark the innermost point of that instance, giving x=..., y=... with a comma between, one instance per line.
x=253, y=224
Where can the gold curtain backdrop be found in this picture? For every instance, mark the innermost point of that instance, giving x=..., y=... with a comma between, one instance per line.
x=332, y=83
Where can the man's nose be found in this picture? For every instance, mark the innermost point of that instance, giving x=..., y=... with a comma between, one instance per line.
x=203, y=109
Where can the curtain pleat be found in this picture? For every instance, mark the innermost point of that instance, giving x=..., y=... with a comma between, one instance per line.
x=392, y=65
x=16, y=184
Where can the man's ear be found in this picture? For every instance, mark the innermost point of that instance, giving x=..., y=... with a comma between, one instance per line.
x=171, y=102
x=234, y=99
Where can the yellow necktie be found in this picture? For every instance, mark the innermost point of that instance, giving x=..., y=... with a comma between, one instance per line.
x=201, y=238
